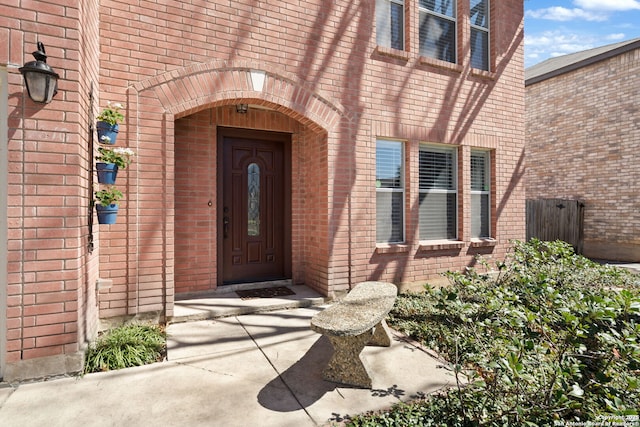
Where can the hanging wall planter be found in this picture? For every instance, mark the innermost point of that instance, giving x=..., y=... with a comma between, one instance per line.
x=107, y=214
x=107, y=132
x=107, y=125
x=107, y=173
x=107, y=204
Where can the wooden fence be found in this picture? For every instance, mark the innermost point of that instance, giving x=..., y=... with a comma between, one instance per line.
x=556, y=219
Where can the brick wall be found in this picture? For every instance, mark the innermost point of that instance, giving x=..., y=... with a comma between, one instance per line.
x=371, y=92
x=180, y=67
x=50, y=304
x=582, y=143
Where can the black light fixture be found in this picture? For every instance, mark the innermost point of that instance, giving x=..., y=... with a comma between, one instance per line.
x=39, y=77
x=242, y=108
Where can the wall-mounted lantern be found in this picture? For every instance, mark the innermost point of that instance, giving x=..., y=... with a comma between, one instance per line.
x=242, y=108
x=39, y=77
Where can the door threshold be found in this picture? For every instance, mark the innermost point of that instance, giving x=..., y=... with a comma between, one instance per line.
x=232, y=287
x=226, y=289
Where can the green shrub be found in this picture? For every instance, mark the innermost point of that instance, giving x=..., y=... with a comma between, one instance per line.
x=550, y=337
x=126, y=346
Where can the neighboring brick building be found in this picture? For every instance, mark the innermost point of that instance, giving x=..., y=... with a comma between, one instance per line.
x=583, y=137
x=382, y=140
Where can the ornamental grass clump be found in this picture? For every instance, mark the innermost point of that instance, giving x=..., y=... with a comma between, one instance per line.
x=549, y=338
x=126, y=346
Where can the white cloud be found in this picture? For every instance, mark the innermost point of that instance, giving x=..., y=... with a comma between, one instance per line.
x=615, y=37
x=614, y=5
x=555, y=43
x=557, y=40
x=561, y=42
x=558, y=13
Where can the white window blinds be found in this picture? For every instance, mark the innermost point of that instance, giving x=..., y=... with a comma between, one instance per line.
x=480, y=193
x=479, y=14
x=389, y=191
x=390, y=23
x=438, y=204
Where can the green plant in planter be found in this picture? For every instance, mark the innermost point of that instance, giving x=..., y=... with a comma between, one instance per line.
x=108, y=196
x=111, y=114
x=122, y=157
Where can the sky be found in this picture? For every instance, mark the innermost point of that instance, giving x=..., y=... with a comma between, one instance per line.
x=558, y=27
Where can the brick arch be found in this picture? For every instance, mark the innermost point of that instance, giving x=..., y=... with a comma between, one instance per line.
x=200, y=86
x=154, y=105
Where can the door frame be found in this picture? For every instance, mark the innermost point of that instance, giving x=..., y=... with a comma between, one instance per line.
x=281, y=137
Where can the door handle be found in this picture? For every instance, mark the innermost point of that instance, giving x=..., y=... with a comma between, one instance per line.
x=225, y=226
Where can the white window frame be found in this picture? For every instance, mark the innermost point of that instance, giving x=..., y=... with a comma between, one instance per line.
x=487, y=31
x=453, y=19
x=397, y=190
x=383, y=23
x=453, y=150
x=486, y=191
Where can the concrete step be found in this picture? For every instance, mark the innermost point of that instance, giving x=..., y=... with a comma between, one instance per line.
x=226, y=302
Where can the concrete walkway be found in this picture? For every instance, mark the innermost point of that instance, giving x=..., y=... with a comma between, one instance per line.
x=261, y=369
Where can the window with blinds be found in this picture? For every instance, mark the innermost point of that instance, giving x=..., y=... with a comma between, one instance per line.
x=438, y=207
x=479, y=14
x=389, y=191
x=437, y=32
x=390, y=23
x=480, y=193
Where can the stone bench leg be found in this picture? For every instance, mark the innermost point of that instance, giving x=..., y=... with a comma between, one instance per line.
x=345, y=366
x=381, y=336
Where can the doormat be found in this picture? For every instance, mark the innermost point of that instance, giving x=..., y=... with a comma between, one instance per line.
x=279, y=291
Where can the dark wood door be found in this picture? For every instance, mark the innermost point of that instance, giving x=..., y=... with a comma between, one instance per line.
x=254, y=218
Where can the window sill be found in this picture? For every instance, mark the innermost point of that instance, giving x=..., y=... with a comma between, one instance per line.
x=437, y=63
x=440, y=245
x=392, y=53
x=382, y=248
x=483, y=243
x=487, y=75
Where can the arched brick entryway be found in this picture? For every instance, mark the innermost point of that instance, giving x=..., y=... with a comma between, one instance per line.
x=201, y=97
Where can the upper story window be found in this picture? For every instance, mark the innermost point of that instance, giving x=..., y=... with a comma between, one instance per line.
x=438, y=29
x=480, y=194
x=479, y=14
x=389, y=191
x=390, y=23
x=438, y=209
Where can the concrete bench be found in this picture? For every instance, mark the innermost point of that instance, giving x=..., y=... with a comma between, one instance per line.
x=350, y=324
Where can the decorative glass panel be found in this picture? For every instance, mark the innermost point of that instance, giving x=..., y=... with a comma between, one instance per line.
x=253, y=202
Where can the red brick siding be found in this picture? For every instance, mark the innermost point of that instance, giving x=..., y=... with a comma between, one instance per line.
x=50, y=286
x=186, y=64
x=583, y=144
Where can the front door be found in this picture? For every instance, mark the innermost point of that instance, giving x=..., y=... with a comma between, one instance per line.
x=255, y=215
